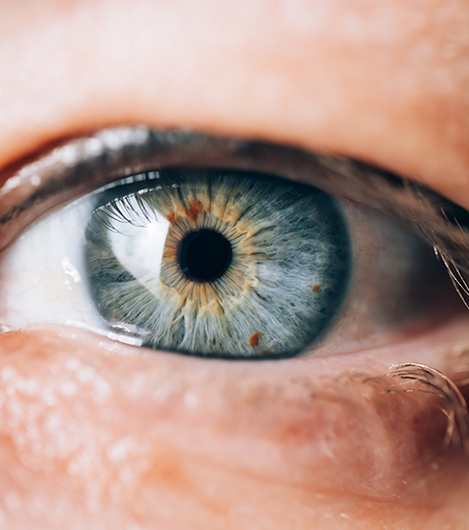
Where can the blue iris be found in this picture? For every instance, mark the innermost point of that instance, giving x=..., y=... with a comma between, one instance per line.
x=219, y=263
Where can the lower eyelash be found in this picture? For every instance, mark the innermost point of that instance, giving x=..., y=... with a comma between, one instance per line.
x=419, y=378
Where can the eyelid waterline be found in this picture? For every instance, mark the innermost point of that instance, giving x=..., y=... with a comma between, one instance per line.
x=88, y=163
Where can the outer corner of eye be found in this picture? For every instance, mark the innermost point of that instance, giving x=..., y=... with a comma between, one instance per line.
x=210, y=262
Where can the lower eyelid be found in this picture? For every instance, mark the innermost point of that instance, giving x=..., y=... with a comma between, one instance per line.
x=287, y=422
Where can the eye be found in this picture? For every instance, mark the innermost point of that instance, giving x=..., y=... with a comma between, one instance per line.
x=231, y=263
x=218, y=263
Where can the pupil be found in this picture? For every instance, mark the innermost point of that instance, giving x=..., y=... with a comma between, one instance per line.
x=204, y=255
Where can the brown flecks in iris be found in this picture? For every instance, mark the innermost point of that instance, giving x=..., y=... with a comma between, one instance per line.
x=194, y=210
x=254, y=340
x=316, y=287
x=170, y=217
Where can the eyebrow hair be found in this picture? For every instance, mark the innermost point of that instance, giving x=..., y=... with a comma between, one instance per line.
x=83, y=165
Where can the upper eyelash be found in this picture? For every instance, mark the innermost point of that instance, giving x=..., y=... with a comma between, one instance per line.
x=85, y=164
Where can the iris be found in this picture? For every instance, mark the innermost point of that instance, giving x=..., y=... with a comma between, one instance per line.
x=218, y=263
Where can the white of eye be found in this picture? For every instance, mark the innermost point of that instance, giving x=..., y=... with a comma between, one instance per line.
x=42, y=275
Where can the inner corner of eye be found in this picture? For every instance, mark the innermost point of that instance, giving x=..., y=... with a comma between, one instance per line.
x=214, y=263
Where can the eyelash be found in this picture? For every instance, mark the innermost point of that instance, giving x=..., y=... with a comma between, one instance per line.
x=82, y=165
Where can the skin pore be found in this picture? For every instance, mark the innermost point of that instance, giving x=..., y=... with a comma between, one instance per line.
x=97, y=433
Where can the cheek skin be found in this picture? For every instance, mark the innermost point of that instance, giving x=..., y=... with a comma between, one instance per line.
x=95, y=431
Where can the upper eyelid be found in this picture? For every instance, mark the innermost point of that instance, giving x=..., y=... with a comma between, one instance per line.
x=84, y=164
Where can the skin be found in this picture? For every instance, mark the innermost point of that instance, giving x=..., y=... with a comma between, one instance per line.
x=93, y=432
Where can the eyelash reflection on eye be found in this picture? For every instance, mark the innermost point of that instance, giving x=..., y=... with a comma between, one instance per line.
x=88, y=163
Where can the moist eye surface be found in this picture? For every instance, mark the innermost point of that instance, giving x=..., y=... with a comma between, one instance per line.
x=218, y=263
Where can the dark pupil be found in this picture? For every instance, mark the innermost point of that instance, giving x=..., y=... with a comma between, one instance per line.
x=204, y=255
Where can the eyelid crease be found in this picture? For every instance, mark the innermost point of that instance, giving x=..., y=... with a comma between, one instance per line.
x=85, y=164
